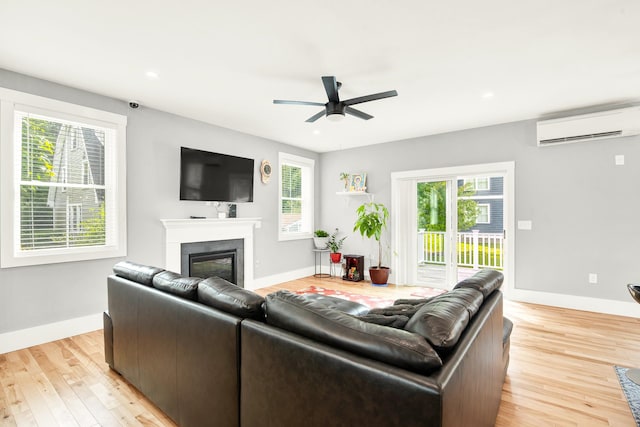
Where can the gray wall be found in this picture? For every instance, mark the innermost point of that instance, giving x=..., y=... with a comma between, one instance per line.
x=32, y=296
x=583, y=207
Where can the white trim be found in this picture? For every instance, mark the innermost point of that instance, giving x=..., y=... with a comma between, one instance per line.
x=275, y=279
x=506, y=169
x=308, y=197
x=17, y=340
x=41, y=103
x=179, y=231
x=488, y=206
x=115, y=178
x=492, y=197
x=575, y=302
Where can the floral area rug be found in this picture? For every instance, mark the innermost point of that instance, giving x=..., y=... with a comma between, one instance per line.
x=631, y=391
x=373, y=302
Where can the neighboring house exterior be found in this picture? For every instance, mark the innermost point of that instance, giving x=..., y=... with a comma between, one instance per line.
x=78, y=160
x=490, y=199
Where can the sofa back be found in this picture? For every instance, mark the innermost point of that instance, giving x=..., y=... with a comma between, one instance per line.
x=180, y=353
x=294, y=371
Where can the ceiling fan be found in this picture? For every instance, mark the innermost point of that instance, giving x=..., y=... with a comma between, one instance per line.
x=336, y=109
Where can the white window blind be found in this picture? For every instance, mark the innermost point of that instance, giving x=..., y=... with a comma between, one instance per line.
x=296, y=197
x=59, y=207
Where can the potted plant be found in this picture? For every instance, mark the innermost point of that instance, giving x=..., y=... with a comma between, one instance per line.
x=345, y=177
x=320, y=239
x=371, y=220
x=334, y=244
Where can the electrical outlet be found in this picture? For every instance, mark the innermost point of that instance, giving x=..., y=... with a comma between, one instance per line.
x=593, y=278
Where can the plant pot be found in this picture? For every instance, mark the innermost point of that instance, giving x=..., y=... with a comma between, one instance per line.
x=335, y=257
x=379, y=276
x=321, y=242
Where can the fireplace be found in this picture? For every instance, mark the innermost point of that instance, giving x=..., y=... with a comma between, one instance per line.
x=222, y=258
x=203, y=231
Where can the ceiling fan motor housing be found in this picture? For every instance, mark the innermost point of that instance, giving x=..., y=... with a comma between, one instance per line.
x=335, y=108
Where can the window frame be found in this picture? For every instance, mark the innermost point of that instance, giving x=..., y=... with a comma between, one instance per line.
x=308, y=185
x=10, y=167
x=488, y=206
x=474, y=183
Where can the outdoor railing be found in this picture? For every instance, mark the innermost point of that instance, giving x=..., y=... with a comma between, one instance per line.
x=475, y=249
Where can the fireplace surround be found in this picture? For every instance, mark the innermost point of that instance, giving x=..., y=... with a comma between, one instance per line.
x=206, y=231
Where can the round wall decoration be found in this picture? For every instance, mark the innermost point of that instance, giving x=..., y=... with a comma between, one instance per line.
x=265, y=171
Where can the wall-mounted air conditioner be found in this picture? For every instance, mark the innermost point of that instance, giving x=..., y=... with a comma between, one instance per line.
x=589, y=127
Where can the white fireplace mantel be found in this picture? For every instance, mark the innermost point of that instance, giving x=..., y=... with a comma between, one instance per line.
x=178, y=231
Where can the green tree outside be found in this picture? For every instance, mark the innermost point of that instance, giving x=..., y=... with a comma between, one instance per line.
x=432, y=206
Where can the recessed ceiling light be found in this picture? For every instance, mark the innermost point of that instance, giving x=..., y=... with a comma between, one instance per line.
x=316, y=132
x=152, y=75
x=487, y=95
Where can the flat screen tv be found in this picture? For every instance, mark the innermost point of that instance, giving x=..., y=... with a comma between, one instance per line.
x=215, y=177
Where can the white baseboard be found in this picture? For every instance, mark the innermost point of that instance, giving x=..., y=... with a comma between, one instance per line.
x=17, y=340
x=263, y=282
x=597, y=305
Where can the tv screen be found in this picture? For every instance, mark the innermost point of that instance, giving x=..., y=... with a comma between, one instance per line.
x=215, y=177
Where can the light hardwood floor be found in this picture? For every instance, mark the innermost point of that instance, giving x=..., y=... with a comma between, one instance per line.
x=561, y=372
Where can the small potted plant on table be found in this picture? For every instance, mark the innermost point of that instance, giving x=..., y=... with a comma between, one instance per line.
x=372, y=219
x=320, y=239
x=334, y=246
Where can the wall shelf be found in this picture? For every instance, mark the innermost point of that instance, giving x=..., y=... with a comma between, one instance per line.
x=356, y=194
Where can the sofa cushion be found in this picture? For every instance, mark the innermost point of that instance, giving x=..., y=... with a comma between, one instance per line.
x=142, y=274
x=176, y=284
x=441, y=321
x=223, y=295
x=345, y=306
x=397, y=321
x=468, y=297
x=485, y=281
x=397, y=310
x=401, y=348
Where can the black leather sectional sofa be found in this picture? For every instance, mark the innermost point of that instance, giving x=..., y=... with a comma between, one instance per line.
x=209, y=353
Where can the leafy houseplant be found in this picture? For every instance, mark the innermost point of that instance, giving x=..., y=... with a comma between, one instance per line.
x=370, y=222
x=334, y=244
x=320, y=239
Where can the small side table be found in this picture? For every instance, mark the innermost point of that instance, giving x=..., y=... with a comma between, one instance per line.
x=318, y=266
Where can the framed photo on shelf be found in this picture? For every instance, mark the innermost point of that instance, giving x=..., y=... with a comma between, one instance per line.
x=358, y=182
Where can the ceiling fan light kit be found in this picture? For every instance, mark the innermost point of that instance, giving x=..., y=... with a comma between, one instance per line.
x=335, y=109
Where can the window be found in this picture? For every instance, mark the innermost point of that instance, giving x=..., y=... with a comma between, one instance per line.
x=479, y=184
x=296, y=197
x=63, y=181
x=484, y=214
x=74, y=220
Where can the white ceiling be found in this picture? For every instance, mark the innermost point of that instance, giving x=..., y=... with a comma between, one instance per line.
x=224, y=62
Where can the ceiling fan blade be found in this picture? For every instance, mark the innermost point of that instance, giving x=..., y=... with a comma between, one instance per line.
x=280, y=101
x=357, y=113
x=331, y=87
x=368, y=98
x=316, y=116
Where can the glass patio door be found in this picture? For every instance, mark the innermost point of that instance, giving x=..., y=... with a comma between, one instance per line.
x=451, y=248
x=436, y=237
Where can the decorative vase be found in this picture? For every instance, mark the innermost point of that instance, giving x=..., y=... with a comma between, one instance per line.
x=335, y=257
x=379, y=276
x=321, y=242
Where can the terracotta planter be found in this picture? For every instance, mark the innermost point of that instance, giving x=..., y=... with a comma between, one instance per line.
x=379, y=276
x=335, y=257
